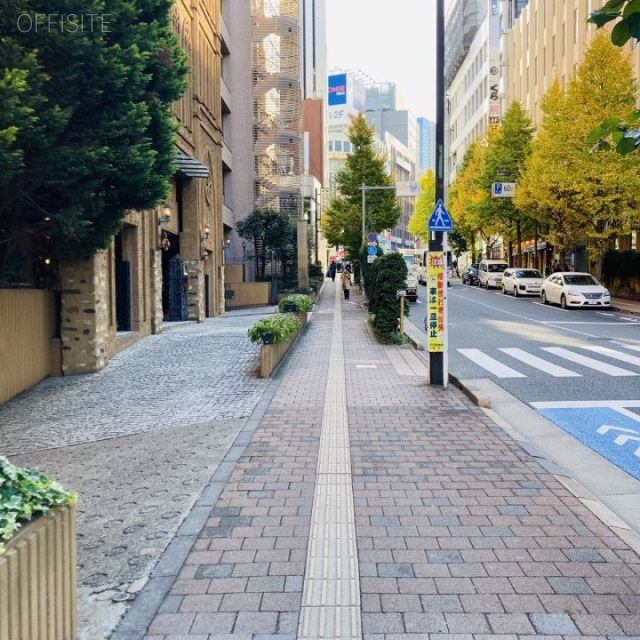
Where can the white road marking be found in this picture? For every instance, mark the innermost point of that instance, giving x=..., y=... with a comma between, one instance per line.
x=585, y=361
x=490, y=364
x=616, y=405
x=605, y=428
x=543, y=365
x=617, y=355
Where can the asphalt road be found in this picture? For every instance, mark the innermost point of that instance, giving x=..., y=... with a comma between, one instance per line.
x=578, y=368
x=537, y=352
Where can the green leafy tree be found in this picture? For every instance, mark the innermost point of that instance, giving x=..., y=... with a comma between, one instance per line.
x=342, y=222
x=94, y=134
x=508, y=146
x=425, y=203
x=269, y=230
x=622, y=133
x=584, y=197
x=626, y=14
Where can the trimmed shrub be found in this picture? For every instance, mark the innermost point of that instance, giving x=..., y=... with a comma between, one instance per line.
x=390, y=274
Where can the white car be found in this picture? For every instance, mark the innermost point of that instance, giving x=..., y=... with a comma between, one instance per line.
x=522, y=282
x=572, y=289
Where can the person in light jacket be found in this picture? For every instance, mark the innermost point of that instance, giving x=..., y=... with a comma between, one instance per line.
x=345, y=279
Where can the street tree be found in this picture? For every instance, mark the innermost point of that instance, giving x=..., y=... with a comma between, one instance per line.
x=269, y=230
x=90, y=106
x=508, y=146
x=342, y=222
x=425, y=204
x=584, y=197
x=466, y=198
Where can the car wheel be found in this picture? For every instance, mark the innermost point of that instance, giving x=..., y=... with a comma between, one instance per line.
x=504, y=290
x=563, y=302
x=543, y=295
x=515, y=292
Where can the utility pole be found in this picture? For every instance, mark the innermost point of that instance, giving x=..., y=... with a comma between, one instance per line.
x=436, y=359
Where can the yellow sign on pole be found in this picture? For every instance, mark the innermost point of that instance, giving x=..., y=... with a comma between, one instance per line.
x=434, y=322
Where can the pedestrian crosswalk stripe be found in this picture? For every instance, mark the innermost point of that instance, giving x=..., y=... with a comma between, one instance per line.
x=490, y=364
x=628, y=346
x=625, y=357
x=548, y=367
x=591, y=363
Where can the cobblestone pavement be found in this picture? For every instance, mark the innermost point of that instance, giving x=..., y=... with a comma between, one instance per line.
x=460, y=533
x=138, y=441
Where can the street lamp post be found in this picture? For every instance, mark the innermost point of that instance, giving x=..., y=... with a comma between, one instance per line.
x=437, y=372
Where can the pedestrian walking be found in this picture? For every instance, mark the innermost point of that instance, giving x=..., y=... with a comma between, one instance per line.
x=332, y=272
x=345, y=279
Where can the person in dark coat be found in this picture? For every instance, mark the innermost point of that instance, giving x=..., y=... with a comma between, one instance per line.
x=332, y=271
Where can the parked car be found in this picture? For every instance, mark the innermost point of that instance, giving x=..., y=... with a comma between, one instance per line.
x=574, y=289
x=470, y=274
x=490, y=273
x=422, y=275
x=412, y=284
x=522, y=282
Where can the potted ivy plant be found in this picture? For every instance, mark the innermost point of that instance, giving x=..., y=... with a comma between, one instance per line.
x=296, y=302
x=37, y=529
x=278, y=327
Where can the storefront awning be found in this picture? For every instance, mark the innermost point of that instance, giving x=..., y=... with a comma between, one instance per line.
x=190, y=167
x=541, y=246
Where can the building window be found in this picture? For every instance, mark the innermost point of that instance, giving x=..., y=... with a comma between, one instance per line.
x=330, y=145
x=347, y=146
x=338, y=145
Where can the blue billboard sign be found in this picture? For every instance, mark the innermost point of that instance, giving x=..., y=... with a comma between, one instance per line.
x=338, y=89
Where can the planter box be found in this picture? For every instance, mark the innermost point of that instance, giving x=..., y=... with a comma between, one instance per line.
x=38, y=580
x=272, y=354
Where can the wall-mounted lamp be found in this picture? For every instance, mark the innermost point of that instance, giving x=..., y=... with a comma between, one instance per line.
x=166, y=213
x=205, y=232
x=226, y=244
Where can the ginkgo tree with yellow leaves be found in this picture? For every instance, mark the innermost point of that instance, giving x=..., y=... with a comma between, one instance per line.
x=584, y=197
x=425, y=202
x=466, y=198
x=508, y=146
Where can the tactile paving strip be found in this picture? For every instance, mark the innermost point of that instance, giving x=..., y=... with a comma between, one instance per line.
x=331, y=592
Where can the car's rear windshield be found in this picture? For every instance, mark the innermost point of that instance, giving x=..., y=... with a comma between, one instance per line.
x=578, y=279
x=528, y=273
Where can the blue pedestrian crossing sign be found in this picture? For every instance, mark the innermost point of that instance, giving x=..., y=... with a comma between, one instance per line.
x=440, y=219
x=372, y=251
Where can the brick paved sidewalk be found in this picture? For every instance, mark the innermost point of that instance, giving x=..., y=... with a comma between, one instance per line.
x=458, y=530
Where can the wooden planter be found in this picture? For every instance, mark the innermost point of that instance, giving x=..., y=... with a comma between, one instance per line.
x=38, y=580
x=272, y=354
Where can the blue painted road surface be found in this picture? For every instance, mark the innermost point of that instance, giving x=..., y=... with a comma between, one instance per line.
x=611, y=431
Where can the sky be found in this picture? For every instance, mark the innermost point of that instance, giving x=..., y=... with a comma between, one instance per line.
x=394, y=44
